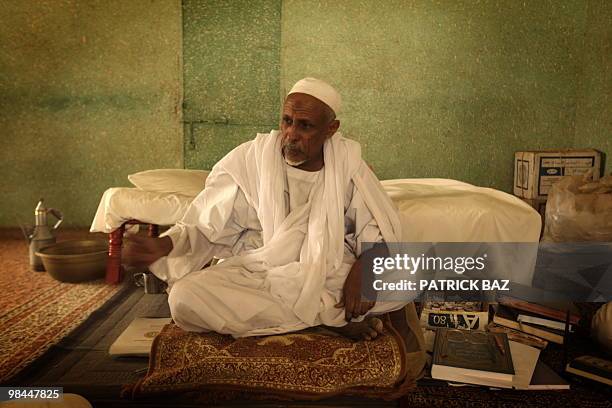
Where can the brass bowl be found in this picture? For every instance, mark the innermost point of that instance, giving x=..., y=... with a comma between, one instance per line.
x=76, y=260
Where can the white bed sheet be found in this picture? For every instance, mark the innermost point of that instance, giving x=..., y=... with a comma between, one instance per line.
x=431, y=210
x=444, y=210
x=121, y=204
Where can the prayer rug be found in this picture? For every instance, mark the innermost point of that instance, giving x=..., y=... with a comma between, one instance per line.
x=309, y=364
x=36, y=311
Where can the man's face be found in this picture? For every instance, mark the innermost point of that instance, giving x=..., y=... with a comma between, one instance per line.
x=306, y=123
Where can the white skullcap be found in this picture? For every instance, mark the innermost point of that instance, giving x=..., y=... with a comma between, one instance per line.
x=320, y=90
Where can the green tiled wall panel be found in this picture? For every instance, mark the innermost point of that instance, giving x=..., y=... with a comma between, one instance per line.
x=232, y=74
x=204, y=150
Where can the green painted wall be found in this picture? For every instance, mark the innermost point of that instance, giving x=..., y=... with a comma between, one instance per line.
x=90, y=92
x=443, y=88
x=431, y=88
x=594, y=113
x=232, y=75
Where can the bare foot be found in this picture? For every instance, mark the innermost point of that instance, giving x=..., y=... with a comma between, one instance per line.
x=368, y=329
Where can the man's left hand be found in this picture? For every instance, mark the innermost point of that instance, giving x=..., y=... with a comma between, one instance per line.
x=351, y=295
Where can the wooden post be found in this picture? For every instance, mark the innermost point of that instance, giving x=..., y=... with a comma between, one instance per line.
x=113, y=265
x=153, y=230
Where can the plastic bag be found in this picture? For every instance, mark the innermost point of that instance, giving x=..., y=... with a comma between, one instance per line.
x=579, y=210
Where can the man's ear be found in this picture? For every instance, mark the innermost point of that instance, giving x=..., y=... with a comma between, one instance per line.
x=333, y=128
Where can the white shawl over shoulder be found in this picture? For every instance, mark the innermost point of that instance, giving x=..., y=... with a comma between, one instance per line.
x=257, y=169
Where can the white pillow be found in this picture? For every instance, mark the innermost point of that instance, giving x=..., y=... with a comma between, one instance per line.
x=173, y=181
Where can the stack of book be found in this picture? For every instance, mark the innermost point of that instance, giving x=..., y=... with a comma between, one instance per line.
x=472, y=357
x=537, y=321
x=489, y=359
x=455, y=315
x=518, y=336
x=593, y=368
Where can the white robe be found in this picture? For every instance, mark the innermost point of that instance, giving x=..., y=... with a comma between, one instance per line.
x=284, y=267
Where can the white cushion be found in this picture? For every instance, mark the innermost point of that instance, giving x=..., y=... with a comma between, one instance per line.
x=172, y=181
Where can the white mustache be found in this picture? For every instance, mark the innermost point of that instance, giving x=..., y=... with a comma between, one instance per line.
x=292, y=147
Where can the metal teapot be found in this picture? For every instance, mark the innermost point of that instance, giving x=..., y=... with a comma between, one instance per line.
x=41, y=235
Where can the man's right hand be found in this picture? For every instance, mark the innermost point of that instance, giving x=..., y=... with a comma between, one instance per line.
x=143, y=251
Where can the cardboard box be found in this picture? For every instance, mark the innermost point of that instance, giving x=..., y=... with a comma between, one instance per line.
x=536, y=171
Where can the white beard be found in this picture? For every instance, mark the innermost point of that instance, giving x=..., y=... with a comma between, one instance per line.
x=293, y=163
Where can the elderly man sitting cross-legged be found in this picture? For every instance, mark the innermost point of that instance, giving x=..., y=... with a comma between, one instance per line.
x=288, y=212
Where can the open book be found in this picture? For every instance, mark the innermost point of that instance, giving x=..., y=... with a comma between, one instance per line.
x=137, y=338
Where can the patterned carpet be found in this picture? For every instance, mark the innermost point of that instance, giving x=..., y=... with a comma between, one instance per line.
x=37, y=311
x=309, y=364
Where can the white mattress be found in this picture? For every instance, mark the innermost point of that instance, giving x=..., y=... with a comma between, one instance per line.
x=121, y=204
x=444, y=210
x=432, y=210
